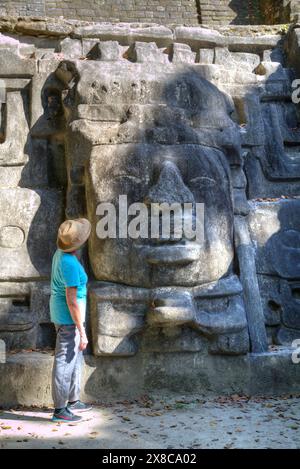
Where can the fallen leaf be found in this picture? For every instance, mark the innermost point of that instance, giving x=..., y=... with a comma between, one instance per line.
x=124, y=417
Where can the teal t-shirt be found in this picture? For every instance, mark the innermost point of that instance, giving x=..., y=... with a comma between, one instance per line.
x=67, y=271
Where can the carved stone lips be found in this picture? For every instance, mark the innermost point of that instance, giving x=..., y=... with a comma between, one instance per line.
x=172, y=254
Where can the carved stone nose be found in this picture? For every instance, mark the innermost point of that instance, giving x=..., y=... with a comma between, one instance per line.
x=170, y=187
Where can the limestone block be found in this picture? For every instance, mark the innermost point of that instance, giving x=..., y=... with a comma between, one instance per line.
x=231, y=320
x=270, y=292
x=12, y=151
x=146, y=52
x=39, y=304
x=177, y=310
x=206, y=56
x=274, y=229
x=24, y=315
x=31, y=27
x=286, y=336
x=198, y=37
x=88, y=47
x=56, y=29
x=182, y=53
x=230, y=344
x=252, y=44
x=223, y=57
x=125, y=320
x=116, y=319
x=264, y=183
x=17, y=321
x=71, y=48
x=291, y=48
x=248, y=275
x=12, y=44
x=109, y=51
x=249, y=110
x=241, y=206
x=281, y=138
x=289, y=296
x=246, y=59
x=126, y=34
x=29, y=224
x=171, y=340
x=239, y=180
x=12, y=64
x=10, y=176
x=105, y=113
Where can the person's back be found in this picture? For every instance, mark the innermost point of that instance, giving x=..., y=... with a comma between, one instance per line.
x=66, y=272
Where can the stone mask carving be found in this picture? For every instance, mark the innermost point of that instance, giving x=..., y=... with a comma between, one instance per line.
x=171, y=140
x=155, y=135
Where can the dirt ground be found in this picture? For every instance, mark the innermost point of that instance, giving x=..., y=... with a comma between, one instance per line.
x=153, y=422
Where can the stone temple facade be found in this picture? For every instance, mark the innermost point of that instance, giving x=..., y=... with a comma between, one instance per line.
x=167, y=12
x=92, y=111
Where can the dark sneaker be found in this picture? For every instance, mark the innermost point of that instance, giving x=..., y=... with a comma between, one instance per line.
x=65, y=415
x=79, y=406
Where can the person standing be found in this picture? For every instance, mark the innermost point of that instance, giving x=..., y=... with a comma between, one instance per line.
x=67, y=312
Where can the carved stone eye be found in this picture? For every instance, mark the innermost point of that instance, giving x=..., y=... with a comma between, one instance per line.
x=201, y=180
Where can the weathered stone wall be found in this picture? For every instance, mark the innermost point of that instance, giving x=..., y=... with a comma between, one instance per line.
x=92, y=111
x=218, y=12
x=189, y=12
x=159, y=11
x=231, y=12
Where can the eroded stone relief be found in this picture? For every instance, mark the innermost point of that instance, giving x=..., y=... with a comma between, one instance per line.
x=189, y=115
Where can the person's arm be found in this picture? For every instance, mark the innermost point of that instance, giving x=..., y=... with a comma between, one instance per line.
x=71, y=297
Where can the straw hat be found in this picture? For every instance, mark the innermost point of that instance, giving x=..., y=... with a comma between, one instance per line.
x=72, y=234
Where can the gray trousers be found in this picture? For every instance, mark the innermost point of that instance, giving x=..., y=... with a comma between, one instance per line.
x=67, y=366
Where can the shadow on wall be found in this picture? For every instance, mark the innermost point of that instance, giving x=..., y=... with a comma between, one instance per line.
x=247, y=11
x=44, y=176
x=45, y=173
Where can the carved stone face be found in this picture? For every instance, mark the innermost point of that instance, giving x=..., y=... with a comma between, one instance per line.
x=160, y=137
x=163, y=174
x=275, y=230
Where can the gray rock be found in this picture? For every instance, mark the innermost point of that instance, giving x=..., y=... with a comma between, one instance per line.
x=206, y=56
x=182, y=53
x=274, y=230
x=109, y=50
x=159, y=115
x=23, y=226
x=197, y=37
x=253, y=306
x=254, y=44
x=146, y=52
x=71, y=48
x=246, y=59
x=125, y=33
x=287, y=336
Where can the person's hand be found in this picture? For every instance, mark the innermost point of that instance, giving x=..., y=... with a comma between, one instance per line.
x=83, y=341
